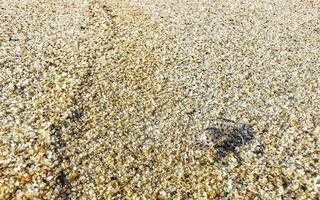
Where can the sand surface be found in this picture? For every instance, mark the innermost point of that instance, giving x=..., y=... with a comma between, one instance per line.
x=159, y=99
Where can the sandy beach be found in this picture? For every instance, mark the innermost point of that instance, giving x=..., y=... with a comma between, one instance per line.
x=159, y=99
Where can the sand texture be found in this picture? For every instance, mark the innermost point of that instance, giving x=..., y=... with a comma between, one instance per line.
x=159, y=99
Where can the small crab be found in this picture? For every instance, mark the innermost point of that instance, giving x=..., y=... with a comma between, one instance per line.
x=225, y=135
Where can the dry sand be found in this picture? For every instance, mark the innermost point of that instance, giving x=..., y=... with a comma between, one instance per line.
x=159, y=99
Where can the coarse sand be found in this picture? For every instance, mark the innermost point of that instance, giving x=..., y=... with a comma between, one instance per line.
x=159, y=99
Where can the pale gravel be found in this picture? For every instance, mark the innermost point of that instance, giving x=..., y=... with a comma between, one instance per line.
x=119, y=99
